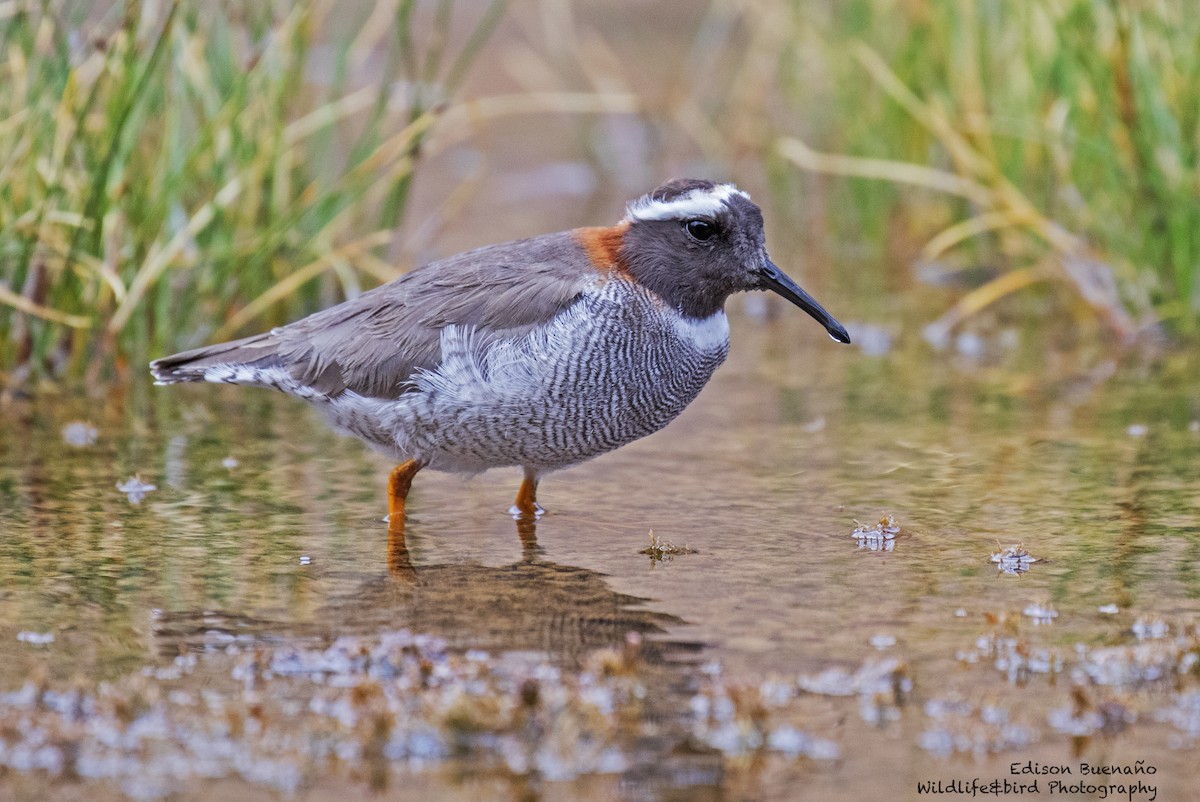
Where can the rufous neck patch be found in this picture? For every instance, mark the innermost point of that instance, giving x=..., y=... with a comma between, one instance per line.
x=603, y=247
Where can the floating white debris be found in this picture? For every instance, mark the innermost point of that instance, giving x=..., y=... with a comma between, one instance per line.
x=881, y=685
x=1080, y=722
x=941, y=708
x=229, y=463
x=1041, y=613
x=1194, y=426
x=1012, y=656
x=305, y=559
x=79, y=434
x=398, y=694
x=1137, y=430
x=1108, y=609
x=135, y=488
x=1153, y=660
x=1184, y=714
x=793, y=742
x=35, y=638
x=1014, y=559
x=879, y=536
x=882, y=641
x=815, y=425
x=736, y=721
x=961, y=612
x=1150, y=627
x=1163, y=657
x=940, y=742
x=962, y=727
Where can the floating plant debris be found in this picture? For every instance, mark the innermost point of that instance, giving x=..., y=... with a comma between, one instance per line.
x=881, y=685
x=1084, y=716
x=1112, y=686
x=135, y=488
x=1153, y=659
x=1150, y=627
x=1041, y=613
x=882, y=640
x=79, y=434
x=1184, y=714
x=960, y=727
x=879, y=536
x=1012, y=655
x=1014, y=560
x=279, y=715
x=661, y=550
x=1162, y=654
x=741, y=720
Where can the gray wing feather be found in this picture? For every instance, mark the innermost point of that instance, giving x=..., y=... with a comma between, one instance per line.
x=374, y=344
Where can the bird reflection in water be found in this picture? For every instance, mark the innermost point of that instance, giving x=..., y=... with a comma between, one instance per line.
x=399, y=562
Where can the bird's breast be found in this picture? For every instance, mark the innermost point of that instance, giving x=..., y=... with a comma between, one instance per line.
x=615, y=366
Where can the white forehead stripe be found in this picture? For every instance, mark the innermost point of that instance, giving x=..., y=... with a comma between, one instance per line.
x=697, y=203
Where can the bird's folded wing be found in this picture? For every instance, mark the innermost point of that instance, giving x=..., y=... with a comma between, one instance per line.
x=373, y=344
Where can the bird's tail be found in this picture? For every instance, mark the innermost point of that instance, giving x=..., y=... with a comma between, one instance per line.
x=242, y=361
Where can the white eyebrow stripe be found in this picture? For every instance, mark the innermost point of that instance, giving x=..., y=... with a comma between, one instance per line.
x=697, y=203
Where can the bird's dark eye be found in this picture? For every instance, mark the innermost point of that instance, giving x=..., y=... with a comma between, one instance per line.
x=700, y=230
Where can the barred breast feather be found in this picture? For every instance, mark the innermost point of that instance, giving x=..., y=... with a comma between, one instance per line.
x=613, y=367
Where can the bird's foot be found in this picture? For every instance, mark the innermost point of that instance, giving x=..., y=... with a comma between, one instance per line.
x=535, y=511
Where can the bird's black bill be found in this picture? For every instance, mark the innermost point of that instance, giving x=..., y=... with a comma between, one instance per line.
x=776, y=280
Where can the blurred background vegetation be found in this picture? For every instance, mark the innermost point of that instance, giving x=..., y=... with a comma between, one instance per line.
x=177, y=172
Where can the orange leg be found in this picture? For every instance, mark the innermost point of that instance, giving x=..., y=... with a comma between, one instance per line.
x=399, y=483
x=526, y=505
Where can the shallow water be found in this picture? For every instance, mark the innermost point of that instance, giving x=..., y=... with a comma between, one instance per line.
x=264, y=531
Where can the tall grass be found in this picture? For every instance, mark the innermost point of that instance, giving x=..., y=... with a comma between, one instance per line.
x=174, y=172
x=169, y=171
x=1065, y=132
